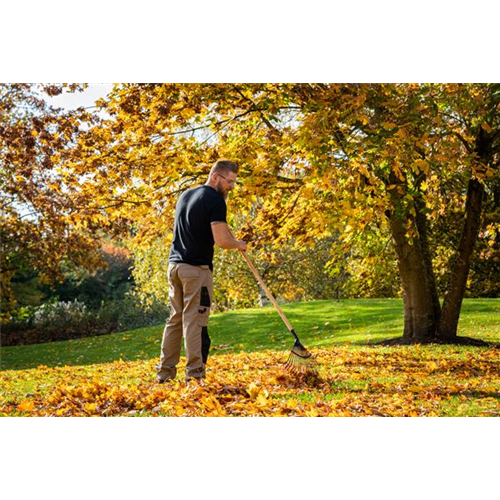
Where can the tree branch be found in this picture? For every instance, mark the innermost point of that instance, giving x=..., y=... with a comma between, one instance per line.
x=464, y=142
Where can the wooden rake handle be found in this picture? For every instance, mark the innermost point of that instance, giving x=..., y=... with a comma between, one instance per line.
x=267, y=291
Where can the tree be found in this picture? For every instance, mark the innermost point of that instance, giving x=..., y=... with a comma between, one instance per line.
x=289, y=273
x=42, y=222
x=317, y=160
x=110, y=282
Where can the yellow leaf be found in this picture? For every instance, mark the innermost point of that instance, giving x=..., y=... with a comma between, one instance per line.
x=90, y=407
x=26, y=406
x=486, y=126
x=389, y=125
x=261, y=400
x=422, y=166
x=253, y=390
x=187, y=113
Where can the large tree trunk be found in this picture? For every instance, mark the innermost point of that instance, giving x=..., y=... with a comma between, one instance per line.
x=458, y=279
x=472, y=222
x=421, y=307
x=421, y=222
x=422, y=310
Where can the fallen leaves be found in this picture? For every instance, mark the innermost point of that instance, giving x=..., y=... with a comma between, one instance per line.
x=26, y=406
x=253, y=390
x=350, y=381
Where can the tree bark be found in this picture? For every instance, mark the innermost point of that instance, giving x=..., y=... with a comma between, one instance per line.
x=421, y=222
x=458, y=279
x=472, y=222
x=421, y=307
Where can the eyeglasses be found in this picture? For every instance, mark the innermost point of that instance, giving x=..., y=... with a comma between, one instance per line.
x=227, y=180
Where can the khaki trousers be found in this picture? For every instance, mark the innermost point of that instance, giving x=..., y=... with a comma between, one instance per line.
x=190, y=296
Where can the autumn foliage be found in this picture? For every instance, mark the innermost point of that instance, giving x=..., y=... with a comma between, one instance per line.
x=352, y=162
x=414, y=166
x=44, y=223
x=348, y=382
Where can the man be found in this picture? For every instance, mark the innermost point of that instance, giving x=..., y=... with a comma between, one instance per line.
x=200, y=221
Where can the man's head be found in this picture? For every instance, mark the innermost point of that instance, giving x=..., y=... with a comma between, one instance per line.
x=223, y=176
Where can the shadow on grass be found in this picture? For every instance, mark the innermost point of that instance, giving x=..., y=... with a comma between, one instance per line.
x=135, y=345
x=466, y=341
x=339, y=387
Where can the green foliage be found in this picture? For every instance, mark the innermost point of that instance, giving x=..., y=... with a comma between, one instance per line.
x=300, y=272
x=150, y=272
x=28, y=290
x=128, y=314
x=82, y=304
x=291, y=274
x=370, y=267
x=484, y=278
x=110, y=282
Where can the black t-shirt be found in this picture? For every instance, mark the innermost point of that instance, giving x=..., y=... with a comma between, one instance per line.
x=193, y=241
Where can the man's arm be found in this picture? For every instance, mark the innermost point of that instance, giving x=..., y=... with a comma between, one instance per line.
x=224, y=239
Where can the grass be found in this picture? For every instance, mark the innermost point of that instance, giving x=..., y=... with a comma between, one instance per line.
x=318, y=323
x=114, y=374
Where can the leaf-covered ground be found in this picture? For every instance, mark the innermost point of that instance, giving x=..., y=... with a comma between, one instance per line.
x=349, y=381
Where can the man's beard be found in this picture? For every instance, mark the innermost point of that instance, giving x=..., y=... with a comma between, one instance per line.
x=221, y=191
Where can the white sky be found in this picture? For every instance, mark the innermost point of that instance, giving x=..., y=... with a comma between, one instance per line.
x=76, y=99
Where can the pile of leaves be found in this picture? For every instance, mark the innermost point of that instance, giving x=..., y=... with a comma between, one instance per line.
x=348, y=381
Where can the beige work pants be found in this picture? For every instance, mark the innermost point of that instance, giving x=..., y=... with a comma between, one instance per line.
x=190, y=295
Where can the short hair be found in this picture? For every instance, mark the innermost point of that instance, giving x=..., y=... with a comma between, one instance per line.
x=224, y=167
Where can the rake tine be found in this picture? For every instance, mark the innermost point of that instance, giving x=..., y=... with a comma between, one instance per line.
x=300, y=362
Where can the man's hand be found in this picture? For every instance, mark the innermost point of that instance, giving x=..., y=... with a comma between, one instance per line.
x=242, y=246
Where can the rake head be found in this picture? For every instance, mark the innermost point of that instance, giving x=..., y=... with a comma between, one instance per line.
x=300, y=359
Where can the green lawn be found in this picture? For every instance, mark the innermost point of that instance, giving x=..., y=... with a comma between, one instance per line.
x=114, y=375
x=320, y=324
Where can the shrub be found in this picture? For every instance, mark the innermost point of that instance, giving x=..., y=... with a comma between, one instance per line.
x=60, y=315
x=127, y=314
x=69, y=320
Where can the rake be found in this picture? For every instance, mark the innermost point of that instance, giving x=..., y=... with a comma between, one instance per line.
x=300, y=359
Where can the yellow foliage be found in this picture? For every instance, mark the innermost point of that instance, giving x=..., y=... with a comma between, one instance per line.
x=362, y=381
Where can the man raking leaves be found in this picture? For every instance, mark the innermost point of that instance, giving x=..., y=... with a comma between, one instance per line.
x=200, y=222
